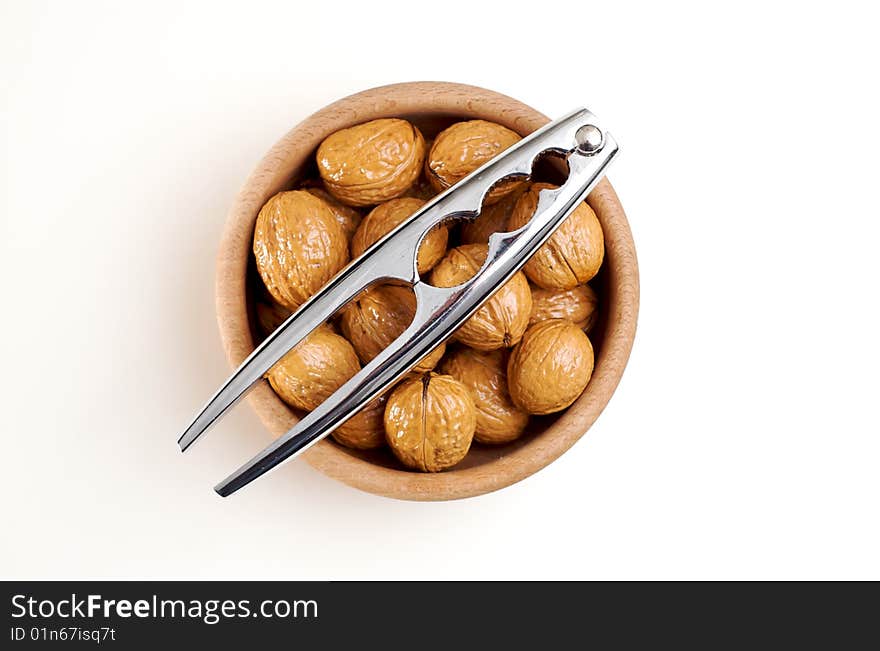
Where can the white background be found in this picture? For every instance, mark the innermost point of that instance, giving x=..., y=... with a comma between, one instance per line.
x=743, y=440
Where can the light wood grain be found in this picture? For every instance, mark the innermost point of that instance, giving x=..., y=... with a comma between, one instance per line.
x=430, y=105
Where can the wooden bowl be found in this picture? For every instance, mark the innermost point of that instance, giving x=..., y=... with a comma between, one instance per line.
x=431, y=106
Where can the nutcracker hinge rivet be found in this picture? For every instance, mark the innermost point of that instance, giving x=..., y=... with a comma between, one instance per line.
x=589, y=139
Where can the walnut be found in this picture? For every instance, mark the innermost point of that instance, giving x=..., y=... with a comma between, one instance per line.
x=502, y=320
x=550, y=367
x=366, y=429
x=430, y=422
x=314, y=369
x=572, y=255
x=371, y=162
x=298, y=245
x=579, y=305
x=422, y=188
x=379, y=316
x=349, y=218
x=385, y=217
x=485, y=376
x=460, y=149
x=270, y=315
x=492, y=219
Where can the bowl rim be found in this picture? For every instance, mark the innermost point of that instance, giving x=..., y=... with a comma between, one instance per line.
x=273, y=173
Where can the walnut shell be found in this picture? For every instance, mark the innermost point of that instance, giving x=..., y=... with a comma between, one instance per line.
x=313, y=369
x=366, y=429
x=349, y=218
x=384, y=217
x=485, y=376
x=379, y=316
x=502, y=320
x=463, y=147
x=270, y=315
x=492, y=219
x=572, y=255
x=422, y=188
x=430, y=422
x=578, y=305
x=298, y=245
x=371, y=162
x=550, y=367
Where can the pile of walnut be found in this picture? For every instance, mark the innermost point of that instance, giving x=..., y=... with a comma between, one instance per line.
x=523, y=352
